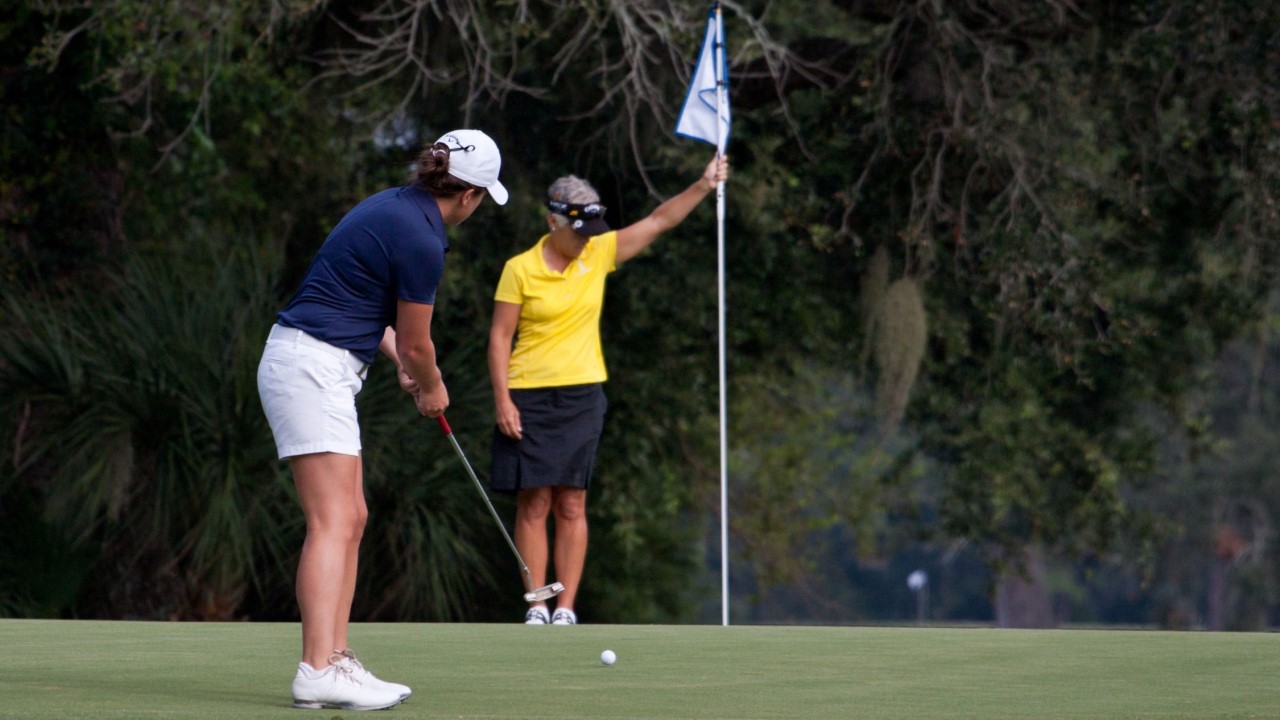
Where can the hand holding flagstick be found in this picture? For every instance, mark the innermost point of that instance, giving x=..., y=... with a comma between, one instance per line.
x=717, y=172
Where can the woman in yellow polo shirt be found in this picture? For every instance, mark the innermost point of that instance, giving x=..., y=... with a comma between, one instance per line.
x=549, y=388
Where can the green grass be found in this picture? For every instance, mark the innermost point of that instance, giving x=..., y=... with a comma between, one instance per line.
x=102, y=670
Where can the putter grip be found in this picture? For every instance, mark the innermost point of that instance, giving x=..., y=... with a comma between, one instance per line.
x=444, y=425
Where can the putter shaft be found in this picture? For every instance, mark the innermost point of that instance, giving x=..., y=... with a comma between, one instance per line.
x=532, y=594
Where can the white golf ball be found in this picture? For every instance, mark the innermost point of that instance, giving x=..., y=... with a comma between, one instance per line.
x=608, y=658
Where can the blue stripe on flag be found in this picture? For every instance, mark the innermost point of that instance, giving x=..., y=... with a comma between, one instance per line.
x=698, y=118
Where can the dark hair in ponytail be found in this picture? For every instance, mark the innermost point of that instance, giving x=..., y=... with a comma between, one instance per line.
x=431, y=172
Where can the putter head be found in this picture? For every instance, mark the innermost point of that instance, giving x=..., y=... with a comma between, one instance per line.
x=544, y=593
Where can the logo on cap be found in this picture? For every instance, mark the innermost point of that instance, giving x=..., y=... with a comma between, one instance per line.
x=474, y=158
x=587, y=218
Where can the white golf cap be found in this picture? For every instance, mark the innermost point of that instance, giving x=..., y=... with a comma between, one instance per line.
x=474, y=158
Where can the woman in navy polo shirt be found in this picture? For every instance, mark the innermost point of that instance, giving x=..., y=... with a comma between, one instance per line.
x=370, y=288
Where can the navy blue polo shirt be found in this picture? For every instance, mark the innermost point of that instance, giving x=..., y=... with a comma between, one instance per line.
x=389, y=247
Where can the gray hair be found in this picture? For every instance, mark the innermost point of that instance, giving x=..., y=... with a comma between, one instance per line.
x=571, y=189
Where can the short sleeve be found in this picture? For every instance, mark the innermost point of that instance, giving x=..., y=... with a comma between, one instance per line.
x=509, y=286
x=418, y=267
x=608, y=243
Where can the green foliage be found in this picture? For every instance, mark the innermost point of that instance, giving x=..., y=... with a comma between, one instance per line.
x=142, y=443
x=1085, y=193
x=809, y=457
x=49, y=218
x=1217, y=496
x=141, y=438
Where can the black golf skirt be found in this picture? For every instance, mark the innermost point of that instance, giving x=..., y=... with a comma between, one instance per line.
x=560, y=428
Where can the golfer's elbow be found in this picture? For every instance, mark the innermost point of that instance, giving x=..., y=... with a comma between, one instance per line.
x=418, y=358
x=416, y=350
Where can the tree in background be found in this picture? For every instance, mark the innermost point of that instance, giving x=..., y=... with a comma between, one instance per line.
x=1084, y=202
x=971, y=247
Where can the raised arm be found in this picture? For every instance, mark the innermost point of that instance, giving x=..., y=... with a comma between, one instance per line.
x=639, y=235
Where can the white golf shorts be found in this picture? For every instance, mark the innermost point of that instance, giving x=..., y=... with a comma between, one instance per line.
x=308, y=390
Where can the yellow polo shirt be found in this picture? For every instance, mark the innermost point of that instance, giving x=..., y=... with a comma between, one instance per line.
x=558, y=336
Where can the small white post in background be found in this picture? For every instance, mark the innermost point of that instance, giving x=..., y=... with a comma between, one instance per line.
x=918, y=581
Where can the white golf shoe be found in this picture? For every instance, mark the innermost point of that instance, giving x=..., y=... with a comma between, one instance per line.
x=339, y=686
x=564, y=617
x=367, y=677
x=537, y=615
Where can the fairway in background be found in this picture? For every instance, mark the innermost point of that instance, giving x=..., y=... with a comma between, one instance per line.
x=107, y=670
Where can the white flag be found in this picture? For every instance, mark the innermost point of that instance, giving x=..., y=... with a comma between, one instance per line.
x=705, y=115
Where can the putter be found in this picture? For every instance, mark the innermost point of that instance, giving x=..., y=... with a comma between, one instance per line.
x=532, y=594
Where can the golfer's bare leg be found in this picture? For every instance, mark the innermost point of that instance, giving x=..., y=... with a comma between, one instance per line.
x=326, y=483
x=343, y=618
x=570, y=505
x=532, y=508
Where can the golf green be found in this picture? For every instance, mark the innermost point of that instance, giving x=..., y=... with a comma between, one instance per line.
x=102, y=670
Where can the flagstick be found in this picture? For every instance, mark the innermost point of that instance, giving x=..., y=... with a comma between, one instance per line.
x=692, y=123
x=724, y=419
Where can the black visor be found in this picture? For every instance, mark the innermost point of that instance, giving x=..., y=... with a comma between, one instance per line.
x=586, y=219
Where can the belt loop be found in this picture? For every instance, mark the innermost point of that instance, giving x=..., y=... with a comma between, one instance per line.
x=352, y=361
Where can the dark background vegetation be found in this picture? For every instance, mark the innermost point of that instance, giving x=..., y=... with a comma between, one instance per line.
x=1001, y=301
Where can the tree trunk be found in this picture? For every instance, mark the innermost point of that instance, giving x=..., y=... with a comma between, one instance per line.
x=1022, y=600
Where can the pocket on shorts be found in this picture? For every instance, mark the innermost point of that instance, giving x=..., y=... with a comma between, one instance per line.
x=276, y=365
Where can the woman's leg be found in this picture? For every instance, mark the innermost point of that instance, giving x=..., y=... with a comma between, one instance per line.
x=343, y=617
x=570, y=506
x=532, y=508
x=328, y=485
